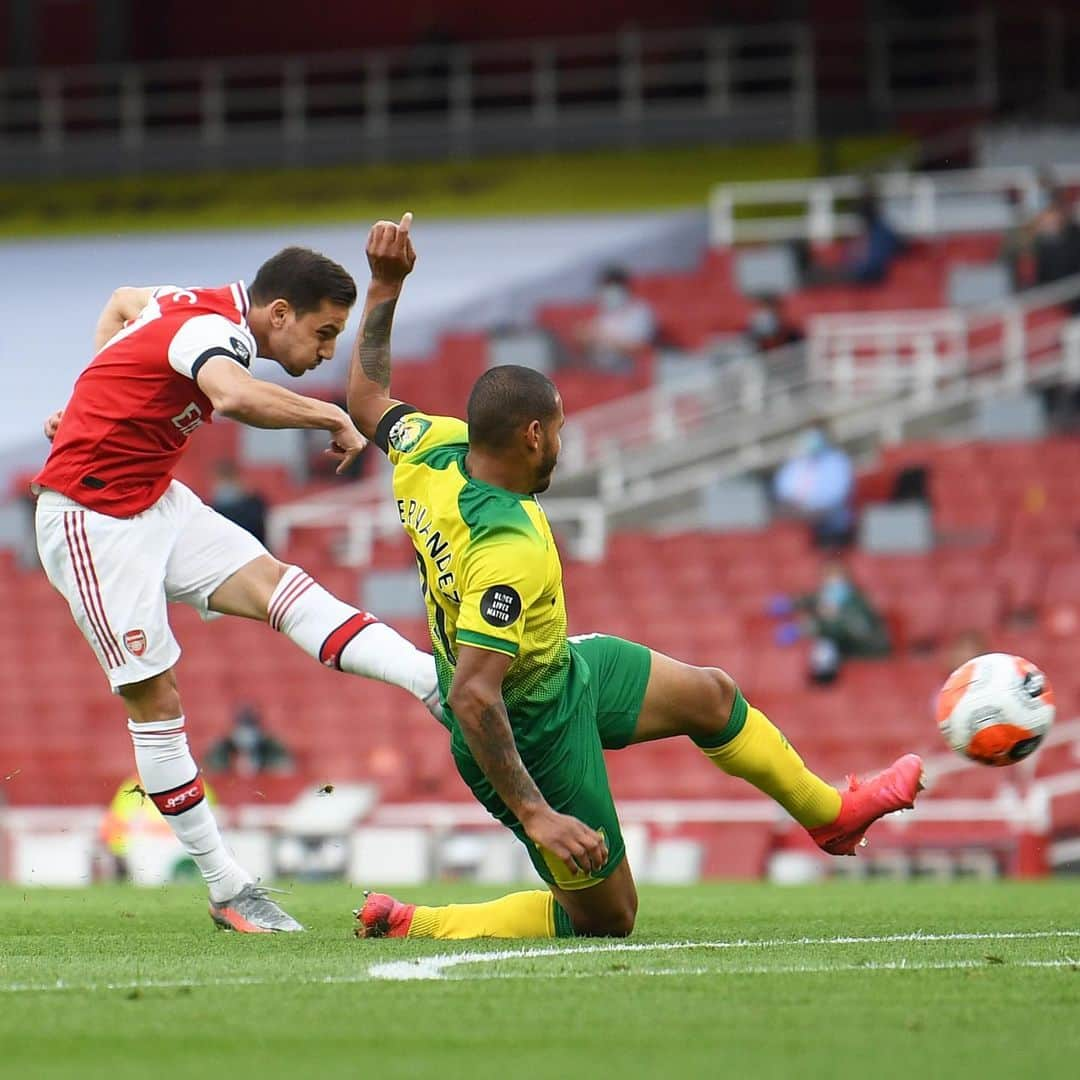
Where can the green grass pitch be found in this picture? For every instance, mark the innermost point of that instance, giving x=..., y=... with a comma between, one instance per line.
x=872, y=980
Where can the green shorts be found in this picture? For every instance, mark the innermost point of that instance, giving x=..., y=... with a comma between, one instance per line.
x=618, y=673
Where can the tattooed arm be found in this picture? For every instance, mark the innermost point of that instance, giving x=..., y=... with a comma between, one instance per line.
x=476, y=701
x=391, y=257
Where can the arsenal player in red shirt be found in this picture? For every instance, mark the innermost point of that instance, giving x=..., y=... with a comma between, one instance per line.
x=119, y=537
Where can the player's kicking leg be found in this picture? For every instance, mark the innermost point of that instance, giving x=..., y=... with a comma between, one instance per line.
x=172, y=780
x=216, y=566
x=336, y=634
x=706, y=705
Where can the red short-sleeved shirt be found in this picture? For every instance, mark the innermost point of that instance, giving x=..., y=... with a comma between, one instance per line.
x=133, y=409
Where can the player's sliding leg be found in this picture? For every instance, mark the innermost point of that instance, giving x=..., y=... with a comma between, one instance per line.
x=532, y=914
x=604, y=907
x=600, y=903
x=326, y=628
x=171, y=778
x=706, y=705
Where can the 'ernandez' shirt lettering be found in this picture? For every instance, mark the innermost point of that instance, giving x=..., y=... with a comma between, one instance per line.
x=490, y=572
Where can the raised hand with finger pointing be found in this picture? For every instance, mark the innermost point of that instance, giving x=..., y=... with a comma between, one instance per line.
x=390, y=251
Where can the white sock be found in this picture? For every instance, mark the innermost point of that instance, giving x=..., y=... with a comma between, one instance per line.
x=339, y=636
x=171, y=778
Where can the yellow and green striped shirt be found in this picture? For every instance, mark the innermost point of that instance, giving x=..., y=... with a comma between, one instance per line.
x=490, y=574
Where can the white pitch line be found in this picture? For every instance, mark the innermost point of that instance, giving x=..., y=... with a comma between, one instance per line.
x=432, y=967
x=783, y=969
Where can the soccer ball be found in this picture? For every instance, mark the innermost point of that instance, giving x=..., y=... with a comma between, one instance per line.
x=995, y=709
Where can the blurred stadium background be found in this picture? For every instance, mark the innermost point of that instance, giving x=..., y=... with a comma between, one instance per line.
x=737, y=170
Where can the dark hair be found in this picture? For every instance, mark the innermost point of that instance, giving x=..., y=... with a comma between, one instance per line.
x=506, y=398
x=304, y=278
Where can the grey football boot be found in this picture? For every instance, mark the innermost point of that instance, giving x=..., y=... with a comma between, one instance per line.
x=251, y=911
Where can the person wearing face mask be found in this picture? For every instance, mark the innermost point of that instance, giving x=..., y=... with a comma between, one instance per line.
x=622, y=325
x=248, y=749
x=839, y=619
x=816, y=484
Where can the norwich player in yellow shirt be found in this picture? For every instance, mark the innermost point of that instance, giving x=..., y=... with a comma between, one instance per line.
x=530, y=711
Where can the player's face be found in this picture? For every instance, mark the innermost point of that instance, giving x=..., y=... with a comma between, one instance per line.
x=550, y=445
x=300, y=343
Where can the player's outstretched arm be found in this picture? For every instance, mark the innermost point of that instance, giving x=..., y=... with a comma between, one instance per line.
x=476, y=701
x=391, y=257
x=125, y=304
x=240, y=396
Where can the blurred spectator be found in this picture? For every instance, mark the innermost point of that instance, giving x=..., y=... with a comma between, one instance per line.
x=839, y=619
x=233, y=499
x=816, y=484
x=867, y=258
x=249, y=749
x=768, y=328
x=1018, y=243
x=623, y=324
x=1044, y=247
x=1056, y=242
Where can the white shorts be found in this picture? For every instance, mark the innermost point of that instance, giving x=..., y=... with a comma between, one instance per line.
x=118, y=574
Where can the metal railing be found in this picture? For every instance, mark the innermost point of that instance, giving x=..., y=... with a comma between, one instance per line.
x=633, y=86
x=921, y=352
x=366, y=513
x=920, y=204
x=873, y=352
x=659, y=86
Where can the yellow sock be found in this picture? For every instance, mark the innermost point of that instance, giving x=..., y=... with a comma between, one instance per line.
x=519, y=915
x=759, y=753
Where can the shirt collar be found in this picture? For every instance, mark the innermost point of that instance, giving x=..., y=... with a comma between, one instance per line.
x=241, y=298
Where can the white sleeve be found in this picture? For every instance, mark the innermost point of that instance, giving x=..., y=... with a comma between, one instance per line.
x=204, y=336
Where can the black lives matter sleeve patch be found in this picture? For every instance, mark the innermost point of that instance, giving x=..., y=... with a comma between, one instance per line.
x=240, y=350
x=500, y=605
